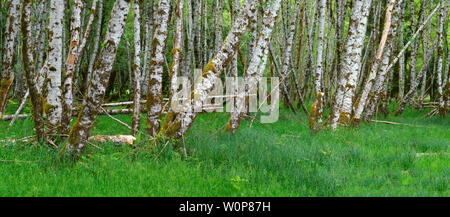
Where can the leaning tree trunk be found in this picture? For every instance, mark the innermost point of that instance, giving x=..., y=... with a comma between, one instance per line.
x=12, y=32
x=154, y=93
x=286, y=69
x=351, y=63
x=80, y=131
x=177, y=124
x=75, y=50
x=28, y=61
x=378, y=88
x=52, y=106
x=67, y=100
x=95, y=49
x=361, y=102
x=257, y=64
x=415, y=84
x=135, y=120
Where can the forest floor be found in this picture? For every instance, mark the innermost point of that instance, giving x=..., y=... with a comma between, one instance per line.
x=280, y=159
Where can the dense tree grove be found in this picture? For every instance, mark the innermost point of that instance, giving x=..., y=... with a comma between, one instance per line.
x=348, y=59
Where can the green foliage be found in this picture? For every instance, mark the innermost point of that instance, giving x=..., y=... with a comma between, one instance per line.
x=281, y=159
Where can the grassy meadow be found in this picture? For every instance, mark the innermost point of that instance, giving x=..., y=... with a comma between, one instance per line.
x=280, y=159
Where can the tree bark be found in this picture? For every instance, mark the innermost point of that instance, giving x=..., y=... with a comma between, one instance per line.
x=257, y=64
x=102, y=70
x=378, y=88
x=361, y=102
x=135, y=120
x=28, y=61
x=154, y=93
x=177, y=124
x=11, y=36
x=351, y=63
x=52, y=106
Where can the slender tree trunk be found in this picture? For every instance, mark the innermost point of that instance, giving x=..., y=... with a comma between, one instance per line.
x=52, y=106
x=440, y=59
x=135, y=125
x=318, y=75
x=154, y=93
x=257, y=64
x=97, y=39
x=28, y=61
x=415, y=84
x=71, y=62
x=218, y=37
x=414, y=51
x=11, y=36
x=378, y=88
x=102, y=70
x=177, y=124
x=188, y=67
x=351, y=63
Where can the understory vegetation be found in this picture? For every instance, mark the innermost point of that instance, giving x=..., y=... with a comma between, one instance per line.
x=280, y=159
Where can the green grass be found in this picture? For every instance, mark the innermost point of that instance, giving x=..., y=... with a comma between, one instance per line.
x=280, y=159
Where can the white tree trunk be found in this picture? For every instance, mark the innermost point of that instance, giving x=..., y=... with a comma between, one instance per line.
x=177, y=124
x=11, y=36
x=257, y=64
x=318, y=75
x=52, y=106
x=361, y=102
x=351, y=63
x=28, y=61
x=378, y=88
x=440, y=59
x=154, y=93
x=71, y=62
x=102, y=70
x=135, y=125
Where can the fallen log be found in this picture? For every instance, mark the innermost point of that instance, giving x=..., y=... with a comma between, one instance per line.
x=117, y=140
x=388, y=122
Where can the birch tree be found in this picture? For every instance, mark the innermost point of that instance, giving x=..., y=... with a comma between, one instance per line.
x=361, y=102
x=135, y=125
x=177, y=124
x=94, y=96
x=257, y=63
x=11, y=36
x=53, y=108
x=440, y=59
x=351, y=63
x=378, y=88
x=318, y=75
x=28, y=61
x=154, y=93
